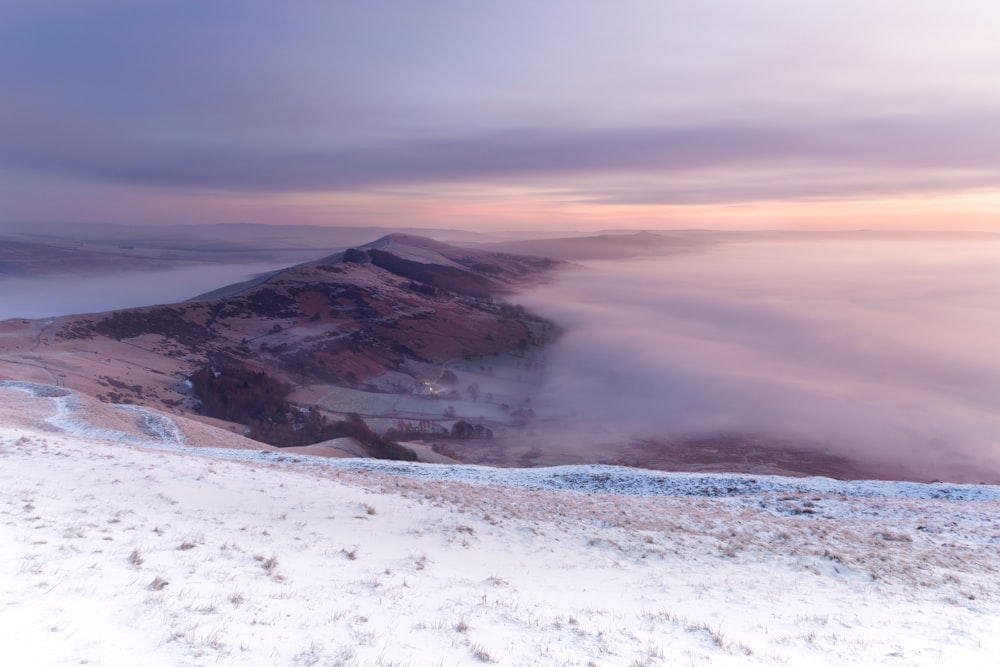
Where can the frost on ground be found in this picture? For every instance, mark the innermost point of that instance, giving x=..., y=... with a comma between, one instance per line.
x=120, y=545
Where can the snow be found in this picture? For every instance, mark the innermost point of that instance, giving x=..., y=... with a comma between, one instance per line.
x=123, y=541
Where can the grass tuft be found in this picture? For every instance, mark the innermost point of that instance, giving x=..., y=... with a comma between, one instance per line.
x=480, y=653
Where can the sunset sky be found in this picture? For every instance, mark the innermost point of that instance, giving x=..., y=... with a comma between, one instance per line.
x=561, y=114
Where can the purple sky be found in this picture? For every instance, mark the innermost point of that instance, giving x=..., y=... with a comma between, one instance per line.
x=759, y=113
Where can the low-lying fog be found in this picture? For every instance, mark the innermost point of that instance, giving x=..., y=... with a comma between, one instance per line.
x=68, y=295
x=890, y=352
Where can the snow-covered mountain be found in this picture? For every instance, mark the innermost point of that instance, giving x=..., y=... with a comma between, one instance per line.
x=130, y=537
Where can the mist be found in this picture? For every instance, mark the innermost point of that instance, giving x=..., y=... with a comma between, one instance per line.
x=884, y=353
x=51, y=296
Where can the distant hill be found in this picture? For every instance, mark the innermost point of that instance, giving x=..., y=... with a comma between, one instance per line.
x=623, y=245
x=603, y=246
x=26, y=259
x=342, y=320
x=44, y=249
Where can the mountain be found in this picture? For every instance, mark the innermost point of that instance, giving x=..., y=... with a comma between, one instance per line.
x=39, y=249
x=376, y=317
x=81, y=249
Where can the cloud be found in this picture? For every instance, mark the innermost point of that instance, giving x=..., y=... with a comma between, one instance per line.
x=759, y=161
x=715, y=103
x=883, y=353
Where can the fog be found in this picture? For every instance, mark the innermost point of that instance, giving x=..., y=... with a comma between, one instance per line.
x=886, y=353
x=69, y=294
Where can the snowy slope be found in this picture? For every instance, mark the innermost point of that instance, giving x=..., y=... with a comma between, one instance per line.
x=121, y=543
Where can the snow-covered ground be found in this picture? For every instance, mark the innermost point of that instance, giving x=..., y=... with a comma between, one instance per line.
x=126, y=538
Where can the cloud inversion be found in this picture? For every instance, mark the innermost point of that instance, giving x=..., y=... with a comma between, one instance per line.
x=883, y=352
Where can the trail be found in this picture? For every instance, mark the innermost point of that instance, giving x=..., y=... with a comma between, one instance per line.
x=39, y=359
x=159, y=429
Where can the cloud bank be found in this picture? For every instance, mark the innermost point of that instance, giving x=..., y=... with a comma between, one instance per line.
x=881, y=352
x=219, y=110
x=922, y=154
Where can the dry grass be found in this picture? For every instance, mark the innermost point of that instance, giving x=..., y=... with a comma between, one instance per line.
x=480, y=653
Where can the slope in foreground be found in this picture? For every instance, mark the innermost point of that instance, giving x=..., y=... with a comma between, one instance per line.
x=110, y=550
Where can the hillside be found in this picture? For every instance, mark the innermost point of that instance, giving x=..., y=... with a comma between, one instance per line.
x=379, y=317
x=171, y=543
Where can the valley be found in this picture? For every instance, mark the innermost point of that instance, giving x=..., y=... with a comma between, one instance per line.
x=413, y=348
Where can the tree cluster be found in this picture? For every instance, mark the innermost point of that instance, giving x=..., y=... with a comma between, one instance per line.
x=463, y=430
x=235, y=393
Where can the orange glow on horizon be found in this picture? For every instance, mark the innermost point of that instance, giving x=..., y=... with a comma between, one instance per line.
x=555, y=210
x=507, y=208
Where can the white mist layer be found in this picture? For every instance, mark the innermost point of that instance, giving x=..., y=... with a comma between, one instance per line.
x=884, y=350
x=70, y=295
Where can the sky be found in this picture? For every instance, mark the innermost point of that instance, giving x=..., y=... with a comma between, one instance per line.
x=558, y=114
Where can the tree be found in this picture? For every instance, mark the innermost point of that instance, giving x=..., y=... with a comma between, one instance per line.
x=462, y=430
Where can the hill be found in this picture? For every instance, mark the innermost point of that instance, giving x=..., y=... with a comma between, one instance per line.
x=185, y=550
x=379, y=317
x=605, y=246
